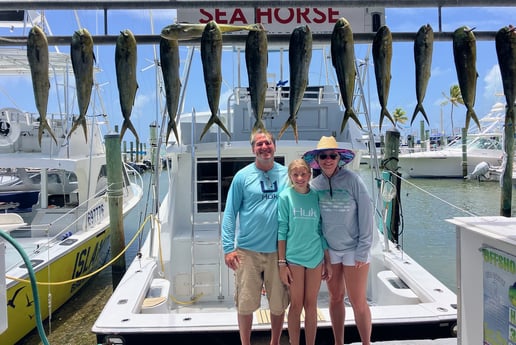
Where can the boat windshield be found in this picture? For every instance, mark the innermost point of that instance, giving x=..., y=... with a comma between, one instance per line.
x=479, y=143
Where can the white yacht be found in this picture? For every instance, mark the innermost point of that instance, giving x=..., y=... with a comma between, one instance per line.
x=485, y=145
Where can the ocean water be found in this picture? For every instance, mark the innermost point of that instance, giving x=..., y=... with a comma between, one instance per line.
x=427, y=204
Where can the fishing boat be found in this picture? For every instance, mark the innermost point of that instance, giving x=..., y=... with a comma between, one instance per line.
x=485, y=145
x=65, y=230
x=22, y=185
x=178, y=284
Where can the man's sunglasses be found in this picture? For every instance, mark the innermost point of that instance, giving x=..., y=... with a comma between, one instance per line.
x=324, y=156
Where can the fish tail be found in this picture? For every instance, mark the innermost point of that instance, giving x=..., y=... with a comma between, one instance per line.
x=291, y=121
x=43, y=124
x=419, y=108
x=344, y=122
x=80, y=121
x=214, y=120
x=258, y=125
x=294, y=127
x=172, y=126
x=349, y=114
x=384, y=112
x=284, y=128
x=85, y=128
x=122, y=131
x=222, y=126
x=74, y=127
x=470, y=114
x=355, y=118
x=127, y=125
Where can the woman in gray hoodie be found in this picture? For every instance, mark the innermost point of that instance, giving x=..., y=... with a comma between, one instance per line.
x=347, y=224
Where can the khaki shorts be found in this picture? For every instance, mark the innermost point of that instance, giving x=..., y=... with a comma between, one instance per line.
x=257, y=270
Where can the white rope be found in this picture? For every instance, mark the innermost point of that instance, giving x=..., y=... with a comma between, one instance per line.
x=438, y=198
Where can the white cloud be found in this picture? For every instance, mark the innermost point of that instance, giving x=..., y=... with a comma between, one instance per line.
x=438, y=71
x=493, y=83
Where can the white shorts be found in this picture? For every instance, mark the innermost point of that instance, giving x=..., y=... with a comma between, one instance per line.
x=344, y=258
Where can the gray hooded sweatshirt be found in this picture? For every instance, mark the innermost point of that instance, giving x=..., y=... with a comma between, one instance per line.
x=347, y=212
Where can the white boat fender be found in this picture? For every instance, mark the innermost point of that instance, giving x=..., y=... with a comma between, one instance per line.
x=11, y=221
x=480, y=170
x=66, y=235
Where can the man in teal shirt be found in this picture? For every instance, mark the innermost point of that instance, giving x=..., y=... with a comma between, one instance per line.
x=252, y=250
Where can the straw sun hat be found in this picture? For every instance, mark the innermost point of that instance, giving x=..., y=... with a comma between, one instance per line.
x=324, y=144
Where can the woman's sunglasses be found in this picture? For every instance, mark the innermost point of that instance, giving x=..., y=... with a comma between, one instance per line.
x=324, y=156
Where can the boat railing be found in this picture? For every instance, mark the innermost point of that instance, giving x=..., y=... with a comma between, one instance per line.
x=486, y=141
x=19, y=131
x=276, y=94
x=415, y=149
x=55, y=227
x=132, y=175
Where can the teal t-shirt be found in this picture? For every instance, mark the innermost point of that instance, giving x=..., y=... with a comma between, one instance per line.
x=253, y=198
x=299, y=220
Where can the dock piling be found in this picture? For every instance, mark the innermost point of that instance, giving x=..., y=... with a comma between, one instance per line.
x=115, y=196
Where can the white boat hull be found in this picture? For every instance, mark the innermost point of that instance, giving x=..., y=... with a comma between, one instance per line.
x=444, y=164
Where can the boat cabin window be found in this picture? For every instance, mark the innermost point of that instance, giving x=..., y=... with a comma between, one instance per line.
x=101, y=187
x=62, y=188
x=207, y=180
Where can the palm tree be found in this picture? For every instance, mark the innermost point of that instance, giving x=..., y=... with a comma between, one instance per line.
x=455, y=98
x=399, y=116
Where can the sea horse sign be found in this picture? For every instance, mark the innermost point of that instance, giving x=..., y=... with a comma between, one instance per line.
x=281, y=20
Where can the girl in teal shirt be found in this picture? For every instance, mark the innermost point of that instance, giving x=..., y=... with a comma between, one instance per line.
x=302, y=250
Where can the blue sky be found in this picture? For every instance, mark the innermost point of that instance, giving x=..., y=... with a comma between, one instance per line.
x=402, y=92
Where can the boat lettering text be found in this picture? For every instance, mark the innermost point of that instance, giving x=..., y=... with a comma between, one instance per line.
x=95, y=214
x=499, y=260
x=494, y=337
x=86, y=259
x=288, y=15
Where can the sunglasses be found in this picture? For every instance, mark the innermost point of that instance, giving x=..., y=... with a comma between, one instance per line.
x=324, y=156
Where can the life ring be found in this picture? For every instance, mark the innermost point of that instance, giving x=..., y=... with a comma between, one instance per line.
x=9, y=130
